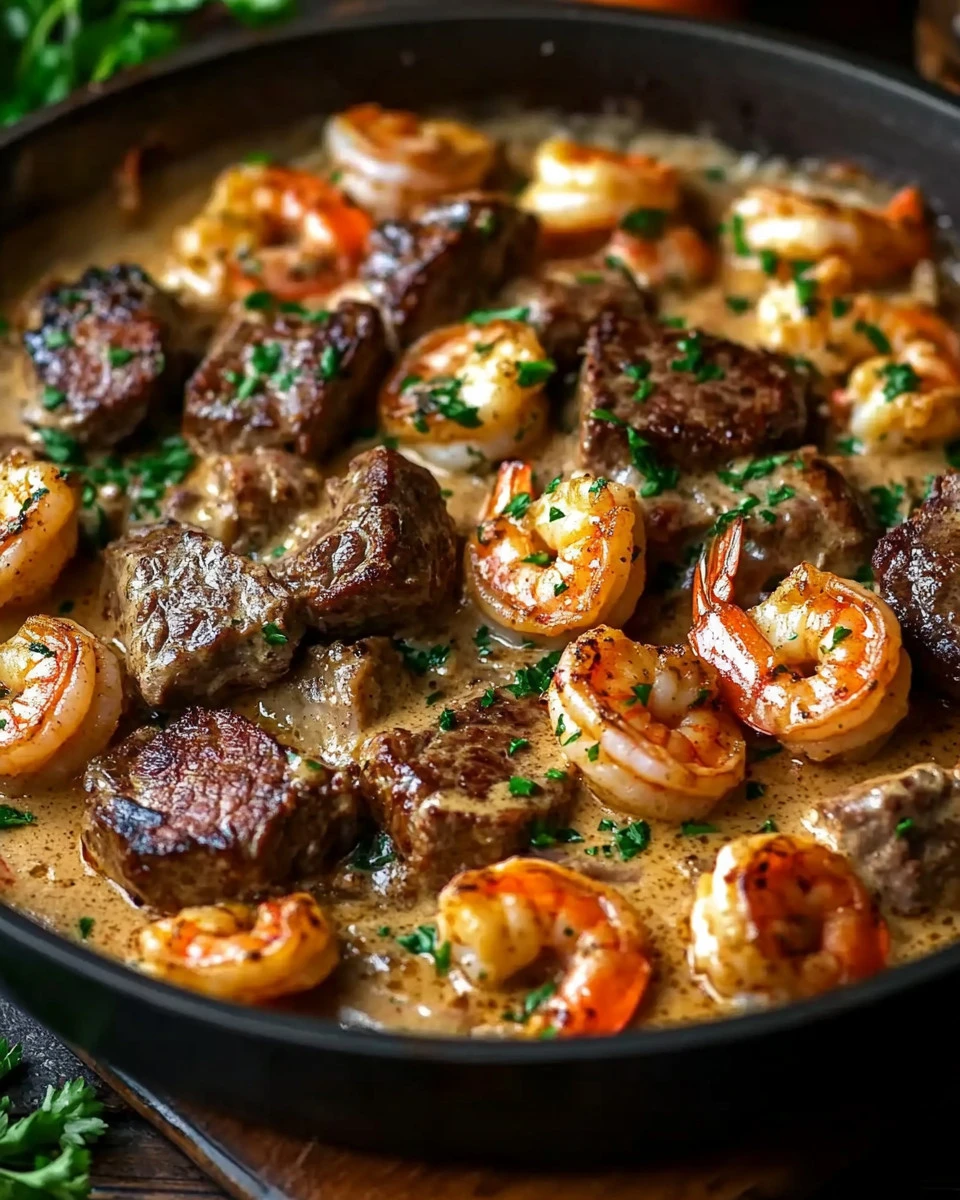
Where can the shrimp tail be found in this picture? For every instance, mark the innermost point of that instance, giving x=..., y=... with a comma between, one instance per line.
x=722, y=634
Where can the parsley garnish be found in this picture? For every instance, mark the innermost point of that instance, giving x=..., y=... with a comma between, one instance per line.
x=531, y=1002
x=877, y=338
x=422, y=661
x=424, y=941
x=899, y=379
x=839, y=306
x=520, y=785
x=543, y=835
x=693, y=359
x=840, y=633
x=517, y=744
x=481, y=639
x=886, y=504
x=489, y=698
x=329, y=363
x=531, y=374
x=534, y=680
x=542, y=558
x=41, y=649
x=12, y=818
x=647, y=223
x=517, y=505
x=273, y=635
x=372, y=852
x=758, y=468
x=737, y=304
x=448, y=720
x=904, y=826
x=754, y=790
x=692, y=828
x=60, y=447
x=641, y=693
x=51, y=398
x=552, y=485
x=119, y=356
x=85, y=927
x=593, y=752
x=484, y=316
x=443, y=396
x=769, y=826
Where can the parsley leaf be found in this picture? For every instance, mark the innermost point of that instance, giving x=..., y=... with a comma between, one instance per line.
x=424, y=941
x=422, y=661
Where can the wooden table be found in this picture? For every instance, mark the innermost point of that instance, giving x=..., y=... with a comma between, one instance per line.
x=909, y=1158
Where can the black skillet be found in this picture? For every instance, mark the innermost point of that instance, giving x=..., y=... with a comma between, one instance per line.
x=586, y=1101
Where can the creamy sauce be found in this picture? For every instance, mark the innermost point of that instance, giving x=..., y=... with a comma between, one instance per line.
x=378, y=982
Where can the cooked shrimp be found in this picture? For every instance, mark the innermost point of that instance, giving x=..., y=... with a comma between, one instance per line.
x=241, y=952
x=900, y=402
x=269, y=228
x=503, y=918
x=552, y=566
x=60, y=701
x=819, y=665
x=877, y=244
x=678, y=256
x=782, y=918
x=815, y=315
x=645, y=726
x=38, y=526
x=468, y=394
x=584, y=190
x=389, y=160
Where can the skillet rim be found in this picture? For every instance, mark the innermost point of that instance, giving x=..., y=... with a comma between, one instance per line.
x=324, y=1034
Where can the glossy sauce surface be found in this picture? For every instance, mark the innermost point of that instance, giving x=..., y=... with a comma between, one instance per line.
x=379, y=982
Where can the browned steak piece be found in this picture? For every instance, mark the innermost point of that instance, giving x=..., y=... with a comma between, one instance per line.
x=797, y=506
x=287, y=381
x=696, y=400
x=917, y=565
x=211, y=809
x=383, y=553
x=445, y=794
x=903, y=833
x=103, y=353
x=243, y=500
x=565, y=299
x=337, y=693
x=196, y=619
x=448, y=259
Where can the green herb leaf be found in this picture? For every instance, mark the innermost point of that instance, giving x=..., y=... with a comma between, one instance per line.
x=12, y=818
x=877, y=338
x=85, y=927
x=542, y=835
x=517, y=506
x=273, y=635
x=448, y=720
x=517, y=744
x=904, y=826
x=484, y=316
x=372, y=852
x=899, y=380
x=692, y=828
x=520, y=785
x=534, y=681
x=531, y=374
x=424, y=941
x=840, y=634
x=422, y=661
x=647, y=223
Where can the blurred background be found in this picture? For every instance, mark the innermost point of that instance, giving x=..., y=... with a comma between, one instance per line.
x=50, y=47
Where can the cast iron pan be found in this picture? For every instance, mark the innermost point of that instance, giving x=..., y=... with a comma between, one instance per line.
x=588, y=1100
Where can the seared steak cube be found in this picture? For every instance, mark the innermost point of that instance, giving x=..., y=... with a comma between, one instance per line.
x=564, y=300
x=210, y=809
x=453, y=796
x=917, y=566
x=196, y=619
x=903, y=833
x=336, y=695
x=695, y=400
x=383, y=553
x=448, y=259
x=103, y=353
x=797, y=506
x=287, y=381
x=244, y=500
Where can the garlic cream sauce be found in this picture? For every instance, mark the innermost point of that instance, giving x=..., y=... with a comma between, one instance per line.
x=378, y=982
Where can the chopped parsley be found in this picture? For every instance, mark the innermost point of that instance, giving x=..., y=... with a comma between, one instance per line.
x=693, y=828
x=780, y=494
x=329, y=363
x=56, y=339
x=886, y=504
x=85, y=927
x=641, y=693
x=755, y=790
x=520, y=785
x=41, y=649
x=658, y=477
x=849, y=446
x=422, y=661
x=737, y=304
x=647, y=223
x=542, y=835
x=877, y=338
x=534, y=680
x=484, y=316
x=531, y=1002
x=119, y=356
x=542, y=558
x=12, y=818
x=273, y=635
x=840, y=634
x=555, y=773
x=423, y=941
x=903, y=827
x=517, y=744
x=552, y=485
x=593, y=752
x=442, y=395
x=517, y=505
x=840, y=306
x=481, y=639
x=448, y=720
x=51, y=398
x=489, y=698
x=631, y=839
x=741, y=246
x=533, y=373
x=60, y=447
x=769, y=826
x=768, y=262
x=899, y=379
x=758, y=468
x=597, y=486
x=746, y=505
x=560, y=588
x=693, y=359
